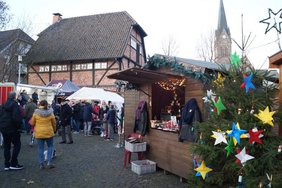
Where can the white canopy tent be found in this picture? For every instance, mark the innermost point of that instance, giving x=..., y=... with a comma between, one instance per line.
x=97, y=94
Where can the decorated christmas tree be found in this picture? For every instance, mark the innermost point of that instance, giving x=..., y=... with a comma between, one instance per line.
x=238, y=144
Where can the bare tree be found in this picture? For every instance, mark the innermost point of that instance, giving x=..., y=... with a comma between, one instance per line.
x=4, y=14
x=205, y=48
x=170, y=47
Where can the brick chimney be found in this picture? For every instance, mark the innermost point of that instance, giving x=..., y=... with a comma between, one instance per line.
x=57, y=17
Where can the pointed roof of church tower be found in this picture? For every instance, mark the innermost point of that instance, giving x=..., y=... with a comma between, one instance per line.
x=222, y=23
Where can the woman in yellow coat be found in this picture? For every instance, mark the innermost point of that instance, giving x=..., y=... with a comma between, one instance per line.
x=44, y=123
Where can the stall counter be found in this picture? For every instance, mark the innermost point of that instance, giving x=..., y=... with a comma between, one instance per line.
x=169, y=154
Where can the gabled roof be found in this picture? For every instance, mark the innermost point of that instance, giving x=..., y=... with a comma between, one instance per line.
x=9, y=36
x=100, y=36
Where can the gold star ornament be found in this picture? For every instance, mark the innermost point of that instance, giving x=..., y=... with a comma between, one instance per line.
x=203, y=169
x=219, y=81
x=266, y=116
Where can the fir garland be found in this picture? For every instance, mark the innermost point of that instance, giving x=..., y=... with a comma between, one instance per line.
x=157, y=62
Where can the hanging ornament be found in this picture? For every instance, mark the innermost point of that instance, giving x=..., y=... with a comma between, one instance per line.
x=247, y=83
x=230, y=147
x=239, y=110
x=236, y=132
x=235, y=59
x=255, y=136
x=242, y=135
x=210, y=97
x=219, y=106
x=219, y=81
x=252, y=110
x=266, y=116
x=240, y=180
x=203, y=169
x=243, y=157
x=269, y=178
x=279, y=148
x=219, y=137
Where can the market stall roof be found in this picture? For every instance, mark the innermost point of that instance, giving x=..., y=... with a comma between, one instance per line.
x=140, y=76
x=96, y=94
x=63, y=85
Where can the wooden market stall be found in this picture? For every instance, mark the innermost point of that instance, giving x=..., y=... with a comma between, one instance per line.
x=275, y=61
x=163, y=146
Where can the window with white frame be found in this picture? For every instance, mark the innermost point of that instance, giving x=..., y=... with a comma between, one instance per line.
x=101, y=65
x=54, y=68
x=140, y=50
x=59, y=67
x=133, y=43
x=77, y=67
x=89, y=65
x=83, y=66
x=64, y=67
x=46, y=68
x=41, y=69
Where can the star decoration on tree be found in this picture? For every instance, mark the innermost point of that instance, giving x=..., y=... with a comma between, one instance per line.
x=210, y=96
x=219, y=137
x=219, y=106
x=235, y=59
x=248, y=83
x=203, y=169
x=266, y=116
x=219, y=81
x=255, y=136
x=243, y=157
x=274, y=20
x=236, y=133
x=198, y=174
x=242, y=135
x=230, y=147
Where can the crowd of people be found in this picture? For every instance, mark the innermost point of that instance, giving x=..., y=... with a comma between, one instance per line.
x=24, y=114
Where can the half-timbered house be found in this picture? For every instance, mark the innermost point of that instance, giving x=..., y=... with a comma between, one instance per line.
x=86, y=49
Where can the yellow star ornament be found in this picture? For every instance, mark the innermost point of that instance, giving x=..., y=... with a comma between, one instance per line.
x=219, y=81
x=203, y=169
x=266, y=116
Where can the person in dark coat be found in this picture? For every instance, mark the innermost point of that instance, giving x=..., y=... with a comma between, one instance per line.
x=34, y=97
x=87, y=118
x=65, y=118
x=191, y=113
x=76, y=116
x=112, y=120
x=11, y=125
x=28, y=112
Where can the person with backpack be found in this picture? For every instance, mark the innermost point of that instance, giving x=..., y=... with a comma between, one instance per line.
x=10, y=127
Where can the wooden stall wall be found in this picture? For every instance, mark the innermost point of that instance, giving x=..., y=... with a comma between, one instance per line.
x=132, y=98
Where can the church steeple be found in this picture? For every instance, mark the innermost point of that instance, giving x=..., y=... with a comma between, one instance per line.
x=222, y=23
x=222, y=38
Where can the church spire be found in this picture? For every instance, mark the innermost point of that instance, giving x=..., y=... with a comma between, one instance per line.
x=222, y=23
x=222, y=44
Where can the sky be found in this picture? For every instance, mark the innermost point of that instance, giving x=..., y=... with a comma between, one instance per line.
x=186, y=22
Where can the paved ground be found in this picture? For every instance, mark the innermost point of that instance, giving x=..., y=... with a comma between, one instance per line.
x=89, y=162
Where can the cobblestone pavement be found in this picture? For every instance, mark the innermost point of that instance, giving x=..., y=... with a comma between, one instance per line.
x=89, y=162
